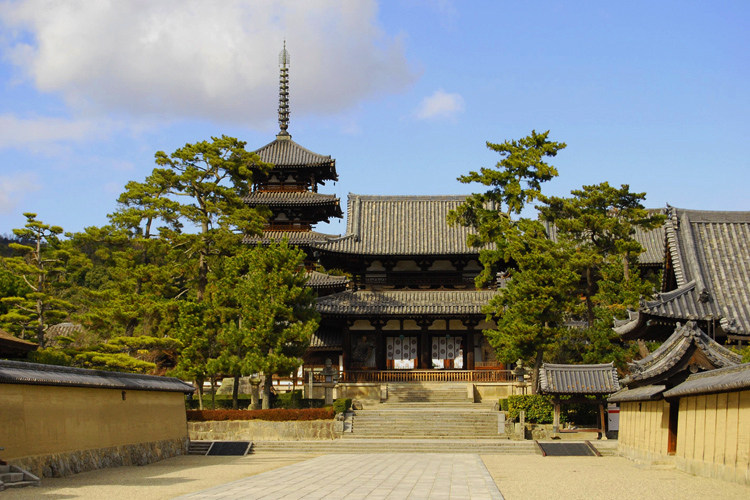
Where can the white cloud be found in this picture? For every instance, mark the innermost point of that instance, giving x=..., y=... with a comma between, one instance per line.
x=42, y=132
x=13, y=188
x=209, y=60
x=440, y=105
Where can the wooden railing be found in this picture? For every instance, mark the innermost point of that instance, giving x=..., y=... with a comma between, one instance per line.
x=418, y=376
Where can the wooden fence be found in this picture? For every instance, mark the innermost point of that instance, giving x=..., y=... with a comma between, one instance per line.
x=419, y=376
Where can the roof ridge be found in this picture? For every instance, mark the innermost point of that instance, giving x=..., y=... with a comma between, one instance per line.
x=409, y=197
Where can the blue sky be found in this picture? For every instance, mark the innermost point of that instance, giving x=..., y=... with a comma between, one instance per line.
x=403, y=94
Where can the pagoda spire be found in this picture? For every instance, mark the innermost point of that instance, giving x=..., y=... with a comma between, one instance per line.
x=283, y=93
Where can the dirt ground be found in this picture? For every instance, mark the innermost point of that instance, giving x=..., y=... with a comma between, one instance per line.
x=519, y=477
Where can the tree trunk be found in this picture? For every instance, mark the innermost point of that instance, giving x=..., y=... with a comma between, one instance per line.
x=267, y=392
x=642, y=348
x=626, y=266
x=535, y=373
x=236, y=393
x=199, y=390
x=213, y=392
x=590, y=285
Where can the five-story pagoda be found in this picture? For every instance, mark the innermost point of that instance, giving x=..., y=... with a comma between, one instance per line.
x=290, y=188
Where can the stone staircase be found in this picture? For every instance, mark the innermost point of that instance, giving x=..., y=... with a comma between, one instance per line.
x=419, y=418
x=353, y=445
x=428, y=392
x=199, y=447
x=431, y=421
x=15, y=477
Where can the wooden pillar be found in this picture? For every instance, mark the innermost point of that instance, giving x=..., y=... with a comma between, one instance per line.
x=470, y=349
x=602, y=419
x=347, y=347
x=379, y=344
x=425, y=355
x=556, y=422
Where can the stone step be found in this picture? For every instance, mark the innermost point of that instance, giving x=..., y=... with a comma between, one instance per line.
x=11, y=477
x=20, y=484
x=199, y=447
x=488, y=446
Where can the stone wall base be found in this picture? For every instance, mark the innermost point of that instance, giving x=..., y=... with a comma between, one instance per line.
x=73, y=462
x=262, y=430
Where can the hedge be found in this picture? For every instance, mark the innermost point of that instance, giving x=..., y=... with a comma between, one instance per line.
x=540, y=410
x=277, y=415
x=342, y=404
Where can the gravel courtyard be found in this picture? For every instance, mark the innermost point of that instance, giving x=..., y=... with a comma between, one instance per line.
x=517, y=476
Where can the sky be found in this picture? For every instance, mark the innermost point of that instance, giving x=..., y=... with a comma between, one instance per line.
x=403, y=94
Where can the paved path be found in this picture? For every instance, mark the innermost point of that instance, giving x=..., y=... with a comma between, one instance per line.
x=400, y=476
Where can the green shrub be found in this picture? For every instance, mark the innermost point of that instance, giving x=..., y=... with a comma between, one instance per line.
x=504, y=404
x=538, y=408
x=286, y=399
x=223, y=402
x=342, y=404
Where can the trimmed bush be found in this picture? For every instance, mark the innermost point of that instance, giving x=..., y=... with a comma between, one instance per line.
x=538, y=408
x=342, y=404
x=275, y=415
x=504, y=404
x=286, y=400
x=223, y=402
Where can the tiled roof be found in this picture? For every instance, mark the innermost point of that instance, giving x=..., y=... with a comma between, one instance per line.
x=294, y=237
x=284, y=152
x=290, y=198
x=326, y=340
x=13, y=347
x=317, y=279
x=645, y=393
x=406, y=303
x=676, y=353
x=15, y=372
x=652, y=241
x=712, y=249
x=66, y=329
x=401, y=225
x=710, y=255
x=733, y=378
x=578, y=379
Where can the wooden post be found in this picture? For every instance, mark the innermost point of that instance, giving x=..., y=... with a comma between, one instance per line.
x=425, y=356
x=556, y=422
x=379, y=344
x=470, y=350
x=347, y=347
x=603, y=426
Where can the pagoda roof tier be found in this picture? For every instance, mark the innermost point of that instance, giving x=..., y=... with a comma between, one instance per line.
x=285, y=154
x=303, y=238
x=401, y=225
x=708, y=258
x=437, y=303
x=281, y=199
x=651, y=240
x=687, y=346
x=578, y=379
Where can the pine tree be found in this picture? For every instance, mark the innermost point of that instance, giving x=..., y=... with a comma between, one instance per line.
x=42, y=266
x=276, y=313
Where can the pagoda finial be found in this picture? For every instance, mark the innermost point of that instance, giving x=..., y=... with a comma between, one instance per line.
x=284, y=92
